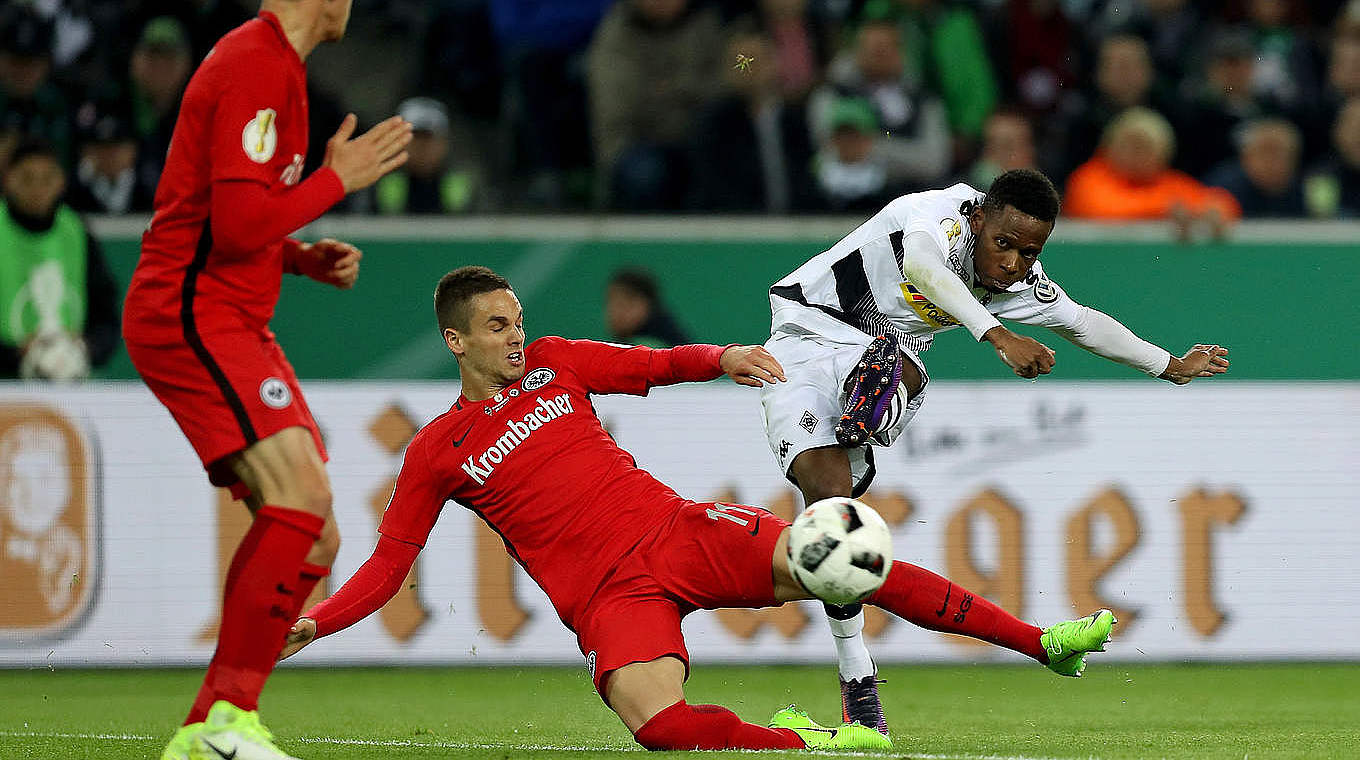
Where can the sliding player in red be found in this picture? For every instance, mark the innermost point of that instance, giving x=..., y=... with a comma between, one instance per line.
x=196, y=324
x=622, y=557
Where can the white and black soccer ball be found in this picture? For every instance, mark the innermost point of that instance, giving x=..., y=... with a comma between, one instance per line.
x=840, y=550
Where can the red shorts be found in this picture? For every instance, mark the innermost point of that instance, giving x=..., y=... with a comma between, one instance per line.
x=226, y=390
x=710, y=556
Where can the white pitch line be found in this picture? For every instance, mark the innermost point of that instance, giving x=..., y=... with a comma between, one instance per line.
x=395, y=743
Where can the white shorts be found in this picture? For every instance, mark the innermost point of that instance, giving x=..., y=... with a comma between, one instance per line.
x=801, y=414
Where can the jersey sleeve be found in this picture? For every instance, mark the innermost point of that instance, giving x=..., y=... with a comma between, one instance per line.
x=617, y=368
x=1048, y=305
x=245, y=128
x=417, y=500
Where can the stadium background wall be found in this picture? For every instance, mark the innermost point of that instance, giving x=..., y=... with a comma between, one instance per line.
x=1204, y=515
x=1282, y=295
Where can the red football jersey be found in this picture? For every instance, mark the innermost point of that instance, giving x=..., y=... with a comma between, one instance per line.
x=243, y=117
x=535, y=463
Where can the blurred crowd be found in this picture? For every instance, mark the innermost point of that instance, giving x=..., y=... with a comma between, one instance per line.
x=1137, y=108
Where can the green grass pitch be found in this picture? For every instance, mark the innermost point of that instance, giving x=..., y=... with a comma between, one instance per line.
x=1118, y=710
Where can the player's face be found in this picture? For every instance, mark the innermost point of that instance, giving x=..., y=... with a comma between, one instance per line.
x=492, y=348
x=1008, y=243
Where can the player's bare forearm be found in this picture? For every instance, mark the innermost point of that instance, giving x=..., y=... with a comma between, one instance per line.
x=1027, y=357
x=1202, y=360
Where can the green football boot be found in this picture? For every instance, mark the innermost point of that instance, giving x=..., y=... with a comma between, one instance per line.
x=1067, y=644
x=181, y=742
x=231, y=733
x=845, y=736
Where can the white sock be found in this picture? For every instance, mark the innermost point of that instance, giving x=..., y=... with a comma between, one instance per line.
x=852, y=654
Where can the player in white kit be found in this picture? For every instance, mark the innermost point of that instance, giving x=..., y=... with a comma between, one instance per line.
x=849, y=326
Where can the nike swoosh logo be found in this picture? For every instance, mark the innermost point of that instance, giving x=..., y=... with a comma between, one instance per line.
x=219, y=751
x=756, y=529
x=459, y=441
x=943, y=607
x=829, y=731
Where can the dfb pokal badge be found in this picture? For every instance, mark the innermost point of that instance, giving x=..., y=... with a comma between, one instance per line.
x=49, y=524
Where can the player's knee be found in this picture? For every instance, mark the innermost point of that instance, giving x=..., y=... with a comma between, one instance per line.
x=327, y=546
x=822, y=473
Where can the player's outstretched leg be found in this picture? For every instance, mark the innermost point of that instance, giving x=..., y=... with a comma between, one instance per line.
x=848, y=736
x=869, y=391
x=1067, y=644
x=932, y=601
x=858, y=676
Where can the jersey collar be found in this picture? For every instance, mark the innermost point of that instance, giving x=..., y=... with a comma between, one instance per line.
x=273, y=21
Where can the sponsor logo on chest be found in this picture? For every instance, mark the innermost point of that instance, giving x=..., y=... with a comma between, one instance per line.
x=479, y=467
x=929, y=313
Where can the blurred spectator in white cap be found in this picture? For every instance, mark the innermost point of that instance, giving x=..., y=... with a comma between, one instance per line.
x=1332, y=188
x=1264, y=178
x=106, y=179
x=426, y=184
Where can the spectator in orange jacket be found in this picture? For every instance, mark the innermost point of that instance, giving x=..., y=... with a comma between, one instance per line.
x=1130, y=178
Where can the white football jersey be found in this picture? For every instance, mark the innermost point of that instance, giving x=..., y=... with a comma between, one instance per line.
x=860, y=281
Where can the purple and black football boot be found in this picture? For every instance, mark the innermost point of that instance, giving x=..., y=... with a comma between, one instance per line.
x=869, y=392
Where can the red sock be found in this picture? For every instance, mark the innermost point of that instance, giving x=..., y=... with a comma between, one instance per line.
x=259, y=604
x=310, y=575
x=686, y=727
x=919, y=596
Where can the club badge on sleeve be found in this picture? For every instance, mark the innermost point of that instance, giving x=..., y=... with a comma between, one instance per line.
x=260, y=137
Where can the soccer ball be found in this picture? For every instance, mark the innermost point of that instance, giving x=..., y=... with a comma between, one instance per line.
x=840, y=550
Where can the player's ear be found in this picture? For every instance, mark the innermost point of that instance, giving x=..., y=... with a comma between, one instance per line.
x=975, y=218
x=454, y=341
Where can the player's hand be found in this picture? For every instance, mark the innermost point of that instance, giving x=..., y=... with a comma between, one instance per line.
x=1202, y=360
x=299, y=636
x=330, y=261
x=361, y=161
x=750, y=365
x=1025, y=356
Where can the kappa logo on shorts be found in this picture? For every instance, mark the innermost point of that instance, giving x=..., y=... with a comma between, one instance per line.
x=537, y=379
x=808, y=422
x=260, y=137
x=784, y=447
x=275, y=393
x=590, y=663
x=1045, y=291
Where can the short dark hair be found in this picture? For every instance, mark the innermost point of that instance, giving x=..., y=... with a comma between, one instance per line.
x=638, y=281
x=455, y=291
x=1028, y=190
x=33, y=145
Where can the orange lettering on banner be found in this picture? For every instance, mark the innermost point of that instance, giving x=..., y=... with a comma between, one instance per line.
x=1004, y=584
x=498, y=608
x=1199, y=510
x=789, y=620
x=1086, y=568
x=895, y=508
x=48, y=522
x=403, y=614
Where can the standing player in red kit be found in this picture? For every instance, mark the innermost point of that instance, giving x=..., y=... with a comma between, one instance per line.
x=621, y=556
x=196, y=324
